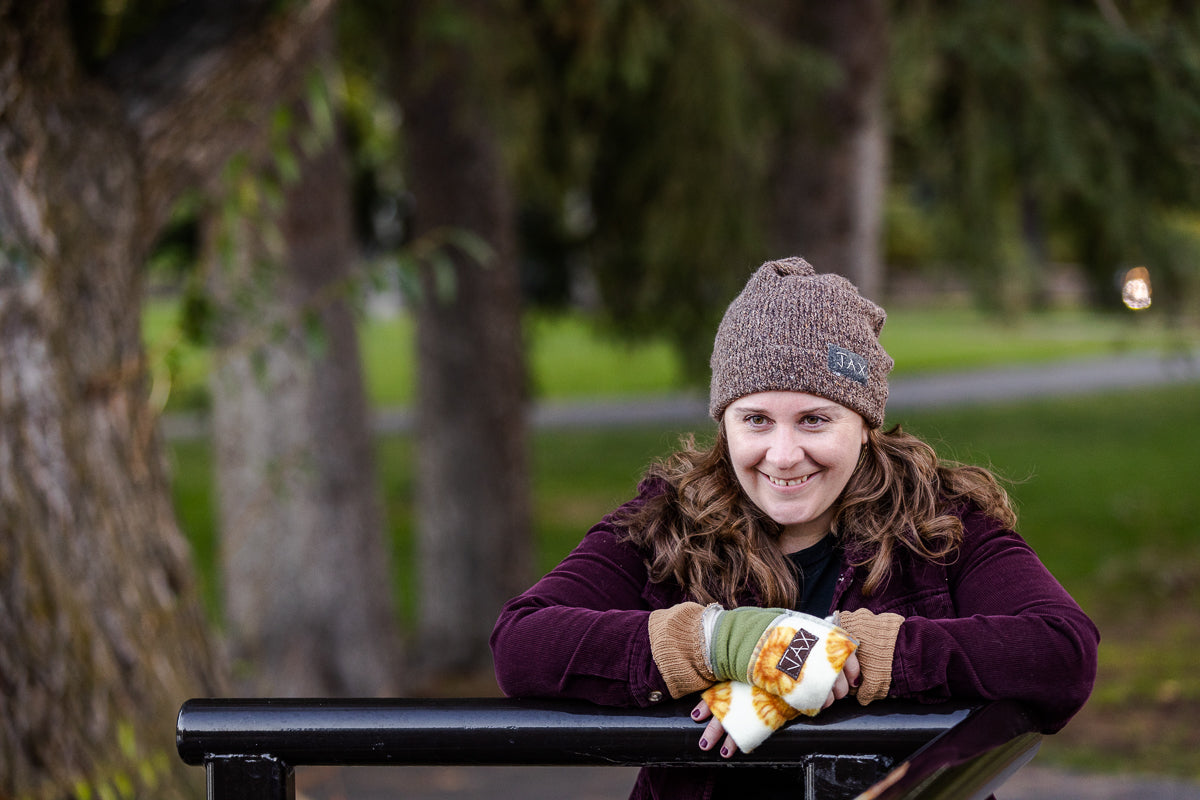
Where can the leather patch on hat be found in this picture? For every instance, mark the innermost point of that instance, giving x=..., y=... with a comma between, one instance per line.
x=796, y=654
x=847, y=364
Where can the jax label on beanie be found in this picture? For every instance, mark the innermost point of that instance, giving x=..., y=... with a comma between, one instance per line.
x=848, y=364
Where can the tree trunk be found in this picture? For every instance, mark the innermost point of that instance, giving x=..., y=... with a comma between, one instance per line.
x=103, y=634
x=305, y=569
x=832, y=164
x=102, y=629
x=472, y=467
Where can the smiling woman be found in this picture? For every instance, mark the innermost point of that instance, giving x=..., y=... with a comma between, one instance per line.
x=807, y=556
x=793, y=454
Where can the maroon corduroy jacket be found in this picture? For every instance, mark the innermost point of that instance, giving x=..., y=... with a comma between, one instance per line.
x=991, y=623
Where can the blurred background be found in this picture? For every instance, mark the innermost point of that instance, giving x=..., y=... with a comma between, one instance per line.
x=326, y=327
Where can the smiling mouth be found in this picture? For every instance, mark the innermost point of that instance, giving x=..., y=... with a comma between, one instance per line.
x=780, y=482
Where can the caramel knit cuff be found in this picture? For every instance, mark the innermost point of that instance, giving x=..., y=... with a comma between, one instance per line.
x=876, y=635
x=677, y=645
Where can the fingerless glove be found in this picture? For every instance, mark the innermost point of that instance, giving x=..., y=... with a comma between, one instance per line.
x=791, y=655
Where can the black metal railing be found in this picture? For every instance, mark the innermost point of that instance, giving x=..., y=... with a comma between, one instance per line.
x=891, y=749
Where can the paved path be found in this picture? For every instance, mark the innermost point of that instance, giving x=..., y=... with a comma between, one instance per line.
x=613, y=783
x=938, y=390
x=1057, y=379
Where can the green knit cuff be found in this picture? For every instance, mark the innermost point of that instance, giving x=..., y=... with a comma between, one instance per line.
x=735, y=638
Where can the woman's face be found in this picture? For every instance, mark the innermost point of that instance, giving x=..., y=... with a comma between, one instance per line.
x=793, y=454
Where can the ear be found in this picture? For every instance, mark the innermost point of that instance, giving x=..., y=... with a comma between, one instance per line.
x=866, y=430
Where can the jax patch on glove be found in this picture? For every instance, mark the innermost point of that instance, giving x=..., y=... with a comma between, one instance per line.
x=749, y=714
x=794, y=656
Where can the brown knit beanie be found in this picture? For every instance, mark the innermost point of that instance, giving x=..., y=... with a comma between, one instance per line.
x=794, y=330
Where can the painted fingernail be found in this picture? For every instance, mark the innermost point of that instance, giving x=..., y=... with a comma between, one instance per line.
x=695, y=713
x=704, y=744
x=725, y=752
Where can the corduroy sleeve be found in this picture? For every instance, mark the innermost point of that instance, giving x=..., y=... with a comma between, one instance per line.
x=581, y=631
x=1015, y=632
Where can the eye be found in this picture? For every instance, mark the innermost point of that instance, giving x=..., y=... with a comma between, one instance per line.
x=756, y=420
x=812, y=420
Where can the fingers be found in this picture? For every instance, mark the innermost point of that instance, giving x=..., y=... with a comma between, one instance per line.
x=852, y=670
x=847, y=678
x=729, y=748
x=841, y=688
x=713, y=731
x=712, y=734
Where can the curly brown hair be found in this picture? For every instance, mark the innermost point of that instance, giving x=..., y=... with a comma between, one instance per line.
x=705, y=533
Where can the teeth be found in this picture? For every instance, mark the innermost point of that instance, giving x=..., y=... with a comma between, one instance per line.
x=793, y=482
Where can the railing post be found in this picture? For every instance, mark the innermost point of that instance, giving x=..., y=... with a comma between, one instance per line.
x=249, y=778
x=843, y=775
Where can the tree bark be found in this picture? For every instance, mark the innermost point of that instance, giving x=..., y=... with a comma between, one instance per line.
x=832, y=164
x=473, y=519
x=306, y=578
x=102, y=629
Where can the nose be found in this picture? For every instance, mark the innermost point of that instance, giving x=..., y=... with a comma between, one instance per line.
x=786, y=449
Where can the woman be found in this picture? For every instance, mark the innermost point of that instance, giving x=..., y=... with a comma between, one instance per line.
x=803, y=503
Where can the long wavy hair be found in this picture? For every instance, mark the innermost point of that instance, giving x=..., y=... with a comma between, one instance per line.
x=707, y=535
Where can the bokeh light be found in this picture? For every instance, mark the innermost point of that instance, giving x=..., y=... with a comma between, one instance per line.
x=1135, y=289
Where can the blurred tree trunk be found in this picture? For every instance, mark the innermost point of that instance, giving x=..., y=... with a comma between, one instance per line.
x=472, y=466
x=305, y=569
x=832, y=164
x=102, y=630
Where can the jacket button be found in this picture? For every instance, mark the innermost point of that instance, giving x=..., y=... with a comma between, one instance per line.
x=656, y=697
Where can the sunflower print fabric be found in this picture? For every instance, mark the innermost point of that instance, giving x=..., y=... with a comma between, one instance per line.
x=796, y=663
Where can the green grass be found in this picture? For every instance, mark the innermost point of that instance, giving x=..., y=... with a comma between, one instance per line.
x=568, y=358
x=195, y=508
x=936, y=339
x=1096, y=478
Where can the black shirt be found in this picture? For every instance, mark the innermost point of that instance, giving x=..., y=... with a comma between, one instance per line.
x=816, y=570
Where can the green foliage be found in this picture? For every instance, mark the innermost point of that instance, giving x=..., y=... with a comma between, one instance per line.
x=433, y=256
x=1054, y=119
x=641, y=136
x=140, y=773
x=658, y=122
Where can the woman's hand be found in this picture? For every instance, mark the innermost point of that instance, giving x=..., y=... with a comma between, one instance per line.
x=714, y=731
x=850, y=678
